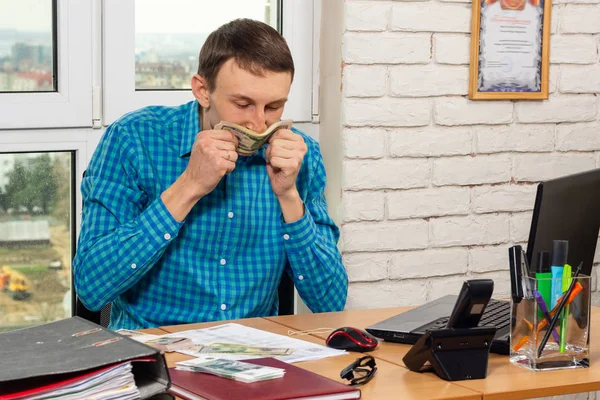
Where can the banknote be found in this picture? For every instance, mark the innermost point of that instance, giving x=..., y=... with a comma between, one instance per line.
x=136, y=335
x=231, y=369
x=169, y=343
x=232, y=348
x=250, y=141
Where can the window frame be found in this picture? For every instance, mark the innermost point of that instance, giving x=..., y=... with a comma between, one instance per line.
x=71, y=104
x=66, y=141
x=121, y=97
x=72, y=140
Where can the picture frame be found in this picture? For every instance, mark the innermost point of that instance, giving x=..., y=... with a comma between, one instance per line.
x=510, y=45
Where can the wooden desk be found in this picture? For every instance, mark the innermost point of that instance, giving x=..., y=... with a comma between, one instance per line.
x=505, y=381
x=391, y=381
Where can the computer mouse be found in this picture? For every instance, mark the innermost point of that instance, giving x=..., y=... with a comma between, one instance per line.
x=351, y=339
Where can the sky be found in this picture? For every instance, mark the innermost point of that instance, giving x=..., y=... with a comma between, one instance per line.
x=152, y=16
x=26, y=15
x=192, y=16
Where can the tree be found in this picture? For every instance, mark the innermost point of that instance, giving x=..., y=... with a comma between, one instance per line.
x=43, y=182
x=34, y=185
x=3, y=201
x=18, y=191
x=61, y=209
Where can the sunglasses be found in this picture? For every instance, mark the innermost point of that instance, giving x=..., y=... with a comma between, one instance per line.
x=360, y=371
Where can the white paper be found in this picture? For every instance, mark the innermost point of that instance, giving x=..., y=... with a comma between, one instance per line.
x=240, y=334
x=510, y=48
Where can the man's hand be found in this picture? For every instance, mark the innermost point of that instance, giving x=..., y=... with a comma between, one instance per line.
x=213, y=155
x=284, y=158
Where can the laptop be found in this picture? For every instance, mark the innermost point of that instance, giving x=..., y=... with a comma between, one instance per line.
x=565, y=209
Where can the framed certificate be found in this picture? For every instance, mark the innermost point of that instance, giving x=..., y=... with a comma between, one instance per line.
x=510, y=42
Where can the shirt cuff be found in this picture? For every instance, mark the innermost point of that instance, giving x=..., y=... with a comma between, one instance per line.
x=159, y=224
x=300, y=234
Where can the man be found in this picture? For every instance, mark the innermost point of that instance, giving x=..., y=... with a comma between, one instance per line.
x=178, y=228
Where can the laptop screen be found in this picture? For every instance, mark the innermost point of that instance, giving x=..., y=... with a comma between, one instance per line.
x=567, y=208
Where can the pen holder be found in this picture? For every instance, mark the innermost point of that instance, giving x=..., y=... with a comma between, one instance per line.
x=567, y=345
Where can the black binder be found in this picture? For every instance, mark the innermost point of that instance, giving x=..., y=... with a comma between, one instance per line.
x=37, y=356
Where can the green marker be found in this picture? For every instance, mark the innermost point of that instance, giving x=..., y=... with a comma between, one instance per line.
x=566, y=282
x=544, y=279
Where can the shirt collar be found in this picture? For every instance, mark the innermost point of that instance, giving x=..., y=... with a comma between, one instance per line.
x=192, y=127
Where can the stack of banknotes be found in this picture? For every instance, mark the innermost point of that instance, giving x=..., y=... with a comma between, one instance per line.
x=233, y=348
x=231, y=369
x=250, y=141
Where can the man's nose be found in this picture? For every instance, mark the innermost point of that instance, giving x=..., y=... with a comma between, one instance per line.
x=258, y=123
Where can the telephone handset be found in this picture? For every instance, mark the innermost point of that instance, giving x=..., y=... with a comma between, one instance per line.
x=470, y=304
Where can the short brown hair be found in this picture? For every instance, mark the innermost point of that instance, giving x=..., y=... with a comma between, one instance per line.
x=254, y=45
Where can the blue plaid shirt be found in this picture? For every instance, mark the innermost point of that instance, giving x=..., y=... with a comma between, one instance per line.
x=225, y=260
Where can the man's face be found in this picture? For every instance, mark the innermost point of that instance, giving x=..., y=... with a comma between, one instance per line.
x=243, y=98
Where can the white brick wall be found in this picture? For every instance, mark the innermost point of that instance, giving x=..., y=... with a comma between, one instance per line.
x=460, y=111
x=425, y=81
x=430, y=17
x=580, y=79
x=471, y=170
x=406, y=204
x=429, y=141
x=573, y=49
x=437, y=187
x=451, y=48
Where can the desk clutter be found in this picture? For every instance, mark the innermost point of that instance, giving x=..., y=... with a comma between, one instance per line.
x=460, y=350
x=76, y=359
x=550, y=324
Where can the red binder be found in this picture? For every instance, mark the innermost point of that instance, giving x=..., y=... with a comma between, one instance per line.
x=297, y=383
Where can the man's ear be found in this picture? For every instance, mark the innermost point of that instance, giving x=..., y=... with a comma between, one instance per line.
x=200, y=90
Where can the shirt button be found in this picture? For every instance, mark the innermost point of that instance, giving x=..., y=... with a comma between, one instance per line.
x=230, y=214
x=223, y=307
x=300, y=277
x=223, y=261
x=167, y=236
x=286, y=237
x=133, y=266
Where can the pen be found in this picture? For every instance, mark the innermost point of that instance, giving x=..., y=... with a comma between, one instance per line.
x=524, y=340
x=544, y=310
x=527, y=292
x=558, y=311
x=576, y=290
x=516, y=278
x=566, y=282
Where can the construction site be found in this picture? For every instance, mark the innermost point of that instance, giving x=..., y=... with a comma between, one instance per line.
x=35, y=280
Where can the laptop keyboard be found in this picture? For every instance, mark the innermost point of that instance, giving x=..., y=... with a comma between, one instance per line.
x=497, y=313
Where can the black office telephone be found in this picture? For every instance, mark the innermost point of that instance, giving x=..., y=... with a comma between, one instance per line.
x=470, y=304
x=459, y=351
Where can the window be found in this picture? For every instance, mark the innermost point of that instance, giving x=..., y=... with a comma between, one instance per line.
x=166, y=55
x=27, y=44
x=152, y=60
x=36, y=237
x=45, y=61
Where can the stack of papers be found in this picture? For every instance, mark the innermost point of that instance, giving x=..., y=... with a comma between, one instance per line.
x=113, y=382
x=231, y=369
x=220, y=342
